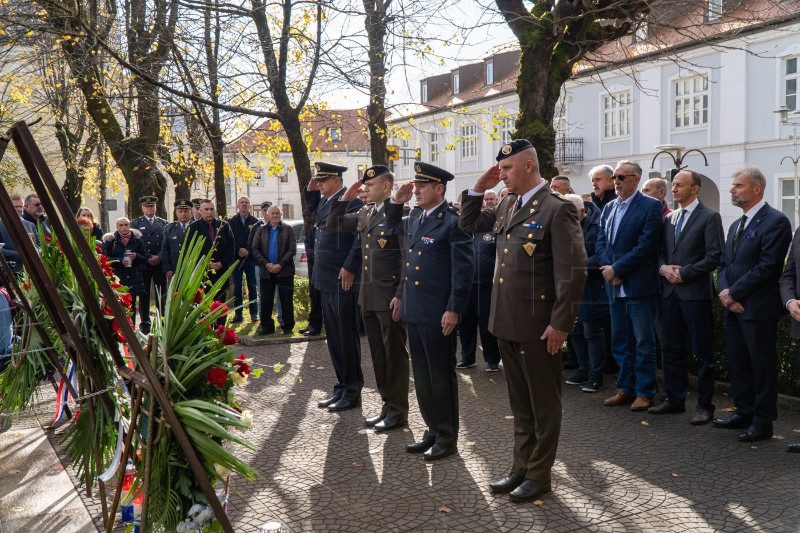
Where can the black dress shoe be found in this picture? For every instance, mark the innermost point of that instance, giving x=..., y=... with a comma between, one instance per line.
x=438, y=451
x=262, y=331
x=735, y=421
x=371, y=421
x=330, y=401
x=343, y=405
x=666, y=408
x=756, y=432
x=389, y=423
x=301, y=331
x=421, y=446
x=793, y=448
x=507, y=484
x=529, y=490
x=310, y=332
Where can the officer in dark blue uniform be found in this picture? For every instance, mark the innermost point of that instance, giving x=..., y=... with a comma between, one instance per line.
x=476, y=317
x=174, y=234
x=437, y=281
x=152, y=229
x=337, y=264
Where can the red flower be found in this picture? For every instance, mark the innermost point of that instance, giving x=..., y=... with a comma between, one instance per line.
x=217, y=377
x=227, y=335
x=244, y=368
x=216, y=305
x=48, y=239
x=115, y=328
x=199, y=296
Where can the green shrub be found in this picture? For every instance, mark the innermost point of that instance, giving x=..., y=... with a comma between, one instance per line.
x=302, y=299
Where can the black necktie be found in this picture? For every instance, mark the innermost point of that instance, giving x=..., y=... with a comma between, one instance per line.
x=739, y=231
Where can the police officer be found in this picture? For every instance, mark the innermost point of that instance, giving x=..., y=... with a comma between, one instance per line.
x=241, y=224
x=152, y=230
x=379, y=233
x=174, y=234
x=437, y=280
x=539, y=277
x=337, y=259
x=196, y=209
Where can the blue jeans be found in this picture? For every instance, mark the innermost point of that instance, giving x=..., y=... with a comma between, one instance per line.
x=245, y=268
x=633, y=343
x=588, y=338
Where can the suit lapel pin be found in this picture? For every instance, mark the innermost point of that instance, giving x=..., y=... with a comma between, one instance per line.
x=439, y=215
x=529, y=248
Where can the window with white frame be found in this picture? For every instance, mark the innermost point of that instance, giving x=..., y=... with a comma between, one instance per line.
x=714, y=9
x=335, y=134
x=490, y=72
x=617, y=115
x=507, y=128
x=433, y=145
x=456, y=84
x=691, y=102
x=469, y=140
x=787, y=186
x=424, y=91
x=791, y=77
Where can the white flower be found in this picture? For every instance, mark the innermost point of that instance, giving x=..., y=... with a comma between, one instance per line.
x=237, y=378
x=247, y=417
x=222, y=471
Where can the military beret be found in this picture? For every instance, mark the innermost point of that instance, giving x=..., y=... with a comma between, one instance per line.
x=512, y=148
x=374, y=172
x=328, y=170
x=182, y=202
x=148, y=200
x=266, y=204
x=427, y=173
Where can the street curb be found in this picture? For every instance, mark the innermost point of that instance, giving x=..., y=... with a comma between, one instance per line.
x=247, y=340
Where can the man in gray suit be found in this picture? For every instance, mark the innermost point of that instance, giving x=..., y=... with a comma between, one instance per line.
x=377, y=225
x=691, y=248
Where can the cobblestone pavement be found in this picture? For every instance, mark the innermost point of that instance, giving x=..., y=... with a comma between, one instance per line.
x=616, y=470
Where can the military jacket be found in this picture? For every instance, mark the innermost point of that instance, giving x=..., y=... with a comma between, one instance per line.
x=152, y=237
x=172, y=245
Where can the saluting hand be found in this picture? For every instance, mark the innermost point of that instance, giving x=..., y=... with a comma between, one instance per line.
x=404, y=193
x=394, y=305
x=352, y=192
x=488, y=180
x=449, y=322
x=313, y=185
x=555, y=339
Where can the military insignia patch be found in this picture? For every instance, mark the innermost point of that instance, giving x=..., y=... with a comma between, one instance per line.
x=535, y=202
x=505, y=150
x=371, y=173
x=382, y=242
x=529, y=247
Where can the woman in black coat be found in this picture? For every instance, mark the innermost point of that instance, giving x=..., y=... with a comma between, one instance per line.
x=125, y=247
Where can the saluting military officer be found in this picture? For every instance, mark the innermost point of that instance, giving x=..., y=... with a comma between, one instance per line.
x=539, y=276
x=174, y=234
x=337, y=258
x=378, y=228
x=437, y=281
x=152, y=229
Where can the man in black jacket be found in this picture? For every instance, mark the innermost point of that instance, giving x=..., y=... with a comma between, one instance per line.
x=241, y=224
x=218, y=234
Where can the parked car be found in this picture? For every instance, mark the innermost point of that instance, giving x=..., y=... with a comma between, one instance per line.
x=300, y=258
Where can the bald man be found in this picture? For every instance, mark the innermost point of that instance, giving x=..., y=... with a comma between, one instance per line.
x=657, y=188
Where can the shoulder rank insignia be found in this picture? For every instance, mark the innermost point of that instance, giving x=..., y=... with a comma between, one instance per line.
x=529, y=248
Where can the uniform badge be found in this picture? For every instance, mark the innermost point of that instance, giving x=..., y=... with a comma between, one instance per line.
x=382, y=242
x=427, y=240
x=535, y=202
x=505, y=150
x=529, y=247
x=417, y=168
x=440, y=215
x=371, y=174
x=488, y=237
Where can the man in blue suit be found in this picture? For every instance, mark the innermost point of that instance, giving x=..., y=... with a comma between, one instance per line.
x=337, y=260
x=627, y=248
x=748, y=278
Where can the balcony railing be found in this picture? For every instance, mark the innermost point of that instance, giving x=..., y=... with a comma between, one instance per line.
x=569, y=150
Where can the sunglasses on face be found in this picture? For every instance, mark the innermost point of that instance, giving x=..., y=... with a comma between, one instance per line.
x=621, y=177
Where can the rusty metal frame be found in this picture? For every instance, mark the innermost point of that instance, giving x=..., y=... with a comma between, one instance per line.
x=65, y=227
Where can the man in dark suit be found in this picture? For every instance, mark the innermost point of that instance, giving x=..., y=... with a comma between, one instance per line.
x=541, y=269
x=748, y=275
x=378, y=229
x=174, y=234
x=627, y=249
x=691, y=248
x=790, y=296
x=437, y=280
x=218, y=235
x=241, y=224
x=315, y=300
x=337, y=265
x=152, y=229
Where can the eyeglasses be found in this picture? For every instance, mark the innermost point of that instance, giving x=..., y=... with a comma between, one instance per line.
x=621, y=177
x=36, y=204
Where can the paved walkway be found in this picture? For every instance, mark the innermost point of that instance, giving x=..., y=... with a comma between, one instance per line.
x=616, y=470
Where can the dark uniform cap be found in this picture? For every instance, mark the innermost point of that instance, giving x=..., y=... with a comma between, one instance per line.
x=183, y=202
x=512, y=148
x=328, y=170
x=196, y=202
x=427, y=173
x=374, y=172
x=266, y=204
x=148, y=200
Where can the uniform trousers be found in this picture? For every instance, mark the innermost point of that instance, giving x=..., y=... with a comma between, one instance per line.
x=476, y=318
x=150, y=277
x=433, y=359
x=387, y=345
x=534, y=391
x=344, y=345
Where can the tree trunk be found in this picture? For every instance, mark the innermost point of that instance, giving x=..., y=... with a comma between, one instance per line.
x=375, y=23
